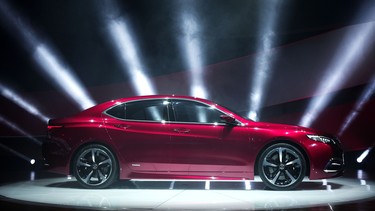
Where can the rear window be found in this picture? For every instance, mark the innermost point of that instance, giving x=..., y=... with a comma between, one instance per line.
x=147, y=110
x=117, y=111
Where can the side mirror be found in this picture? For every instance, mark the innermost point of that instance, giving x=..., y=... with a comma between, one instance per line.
x=228, y=119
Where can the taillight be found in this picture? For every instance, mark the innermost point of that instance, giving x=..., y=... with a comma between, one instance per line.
x=50, y=127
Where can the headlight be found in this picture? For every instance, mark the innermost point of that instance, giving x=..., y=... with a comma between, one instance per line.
x=323, y=139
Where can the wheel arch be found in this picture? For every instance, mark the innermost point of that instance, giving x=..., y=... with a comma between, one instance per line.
x=285, y=141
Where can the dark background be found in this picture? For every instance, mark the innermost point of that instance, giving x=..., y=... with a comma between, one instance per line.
x=308, y=36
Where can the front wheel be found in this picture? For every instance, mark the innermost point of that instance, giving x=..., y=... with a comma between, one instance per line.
x=282, y=167
x=95, y=166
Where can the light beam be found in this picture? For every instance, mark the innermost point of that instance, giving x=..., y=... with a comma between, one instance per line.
x=17, y=99
x=48, y=61
x=62, y=76
x=191, y=46
x=123, y=42
x=365, y=96
x=262, y=68
x=340, y=70
x=19, y=130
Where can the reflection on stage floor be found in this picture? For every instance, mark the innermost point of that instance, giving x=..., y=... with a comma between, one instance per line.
x=64, y=192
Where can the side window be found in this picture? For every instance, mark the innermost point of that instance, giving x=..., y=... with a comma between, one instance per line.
x=150, y=110
x=190, y=111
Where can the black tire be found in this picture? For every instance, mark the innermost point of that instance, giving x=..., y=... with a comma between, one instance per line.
x=95, y=166
x=282, y=167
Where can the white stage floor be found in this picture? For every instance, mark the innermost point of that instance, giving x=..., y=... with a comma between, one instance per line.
x=188, y=195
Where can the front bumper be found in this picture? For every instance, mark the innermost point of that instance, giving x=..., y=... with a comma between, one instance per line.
x=327, y=160
x=337, y=163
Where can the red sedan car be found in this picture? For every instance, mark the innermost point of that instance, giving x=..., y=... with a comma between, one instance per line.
x=177, y=137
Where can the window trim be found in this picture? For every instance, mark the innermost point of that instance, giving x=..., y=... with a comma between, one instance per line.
x=170, y=112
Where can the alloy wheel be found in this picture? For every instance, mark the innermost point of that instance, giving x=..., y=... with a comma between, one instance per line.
x=95, y=167
x=282, y=167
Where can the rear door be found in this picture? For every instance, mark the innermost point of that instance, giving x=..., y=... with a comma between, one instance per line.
x=140, y=131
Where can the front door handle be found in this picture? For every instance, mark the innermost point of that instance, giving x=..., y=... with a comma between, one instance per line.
x=181, y=130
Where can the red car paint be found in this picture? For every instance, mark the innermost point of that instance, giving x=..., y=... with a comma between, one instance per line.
x=170, y=149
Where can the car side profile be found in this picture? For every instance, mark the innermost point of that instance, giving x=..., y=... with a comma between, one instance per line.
x=180, y=137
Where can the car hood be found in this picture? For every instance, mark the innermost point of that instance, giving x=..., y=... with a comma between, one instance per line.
x=274, y=126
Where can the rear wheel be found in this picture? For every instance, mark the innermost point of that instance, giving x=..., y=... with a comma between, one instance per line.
x=282, y=167
x=95, y=166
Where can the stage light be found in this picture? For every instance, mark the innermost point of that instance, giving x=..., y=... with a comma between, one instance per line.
x=360, y=174
x=123, y=41
x=171, y=186
x=247, y=185
x=263, y=62
x=19, y=130
x=31, y=161
x=50, y=64
x=342, y=67
x=13, y=96
x=207, y=185
x=191, y=46
x=363, y=155
x=32, y=174
x=365, y=96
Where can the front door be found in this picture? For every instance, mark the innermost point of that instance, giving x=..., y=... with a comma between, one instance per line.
x=204, y=145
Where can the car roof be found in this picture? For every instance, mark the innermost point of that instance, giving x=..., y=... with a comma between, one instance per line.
x=99, y=108
x=161, y=97
x=108, y=104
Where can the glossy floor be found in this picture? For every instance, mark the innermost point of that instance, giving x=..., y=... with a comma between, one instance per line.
x=64, y=193
x=29, y=187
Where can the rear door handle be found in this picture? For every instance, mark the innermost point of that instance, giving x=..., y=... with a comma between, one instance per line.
x=121, y=126
x=181, y=130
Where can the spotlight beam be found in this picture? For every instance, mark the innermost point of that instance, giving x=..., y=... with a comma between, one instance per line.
x=192, y=47
x=19, y=130
x=262, y=68
x=48, y=61
x=62, y=76
x=340, y=70
x=123, y=42
x=365, y=96
x=11, y=95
